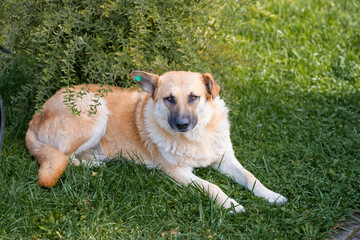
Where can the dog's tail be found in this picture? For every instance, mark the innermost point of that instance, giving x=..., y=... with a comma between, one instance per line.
x=52, y=161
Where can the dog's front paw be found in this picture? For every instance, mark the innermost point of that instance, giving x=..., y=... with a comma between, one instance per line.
x=237, y=207
x=274, y=197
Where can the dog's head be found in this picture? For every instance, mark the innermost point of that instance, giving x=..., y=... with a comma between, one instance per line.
x=180, y=97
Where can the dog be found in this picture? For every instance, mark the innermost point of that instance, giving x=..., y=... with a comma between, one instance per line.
x=177, y=123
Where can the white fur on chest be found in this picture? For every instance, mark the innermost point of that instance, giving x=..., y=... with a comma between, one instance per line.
x=196, y=148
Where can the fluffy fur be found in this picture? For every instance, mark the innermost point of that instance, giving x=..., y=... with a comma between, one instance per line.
x=176, y=124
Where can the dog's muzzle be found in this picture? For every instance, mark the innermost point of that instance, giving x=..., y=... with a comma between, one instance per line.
x=182, y=124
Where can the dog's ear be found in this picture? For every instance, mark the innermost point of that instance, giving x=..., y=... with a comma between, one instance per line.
x=147, y=81
x=211, y=86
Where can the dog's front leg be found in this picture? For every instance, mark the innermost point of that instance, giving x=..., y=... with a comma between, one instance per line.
x=185, y=176
x=230, y=166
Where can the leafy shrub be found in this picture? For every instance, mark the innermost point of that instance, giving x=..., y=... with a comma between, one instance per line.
x=95, y=41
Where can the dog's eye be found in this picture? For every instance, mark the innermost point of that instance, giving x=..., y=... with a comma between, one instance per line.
x=170, y=99
x=193, y=98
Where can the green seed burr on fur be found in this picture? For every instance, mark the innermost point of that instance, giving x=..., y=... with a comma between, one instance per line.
x=138, y=78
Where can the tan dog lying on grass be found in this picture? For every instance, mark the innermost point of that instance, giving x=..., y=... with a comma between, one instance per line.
x=176, y=124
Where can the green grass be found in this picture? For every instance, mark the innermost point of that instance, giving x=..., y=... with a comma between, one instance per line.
x=291, y=66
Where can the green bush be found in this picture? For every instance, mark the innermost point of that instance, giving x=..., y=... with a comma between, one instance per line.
x=70, y=42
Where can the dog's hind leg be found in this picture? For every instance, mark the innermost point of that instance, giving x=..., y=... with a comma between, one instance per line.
x=55, y=140
x=92, y=157
x=56, y=133
x=52, y=139
x=185, y=176
x=230, y=166
x=52, y=161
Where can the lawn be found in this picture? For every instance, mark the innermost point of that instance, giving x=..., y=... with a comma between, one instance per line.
x=290, y=75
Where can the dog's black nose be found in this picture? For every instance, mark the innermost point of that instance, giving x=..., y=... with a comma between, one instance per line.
x=182, y=123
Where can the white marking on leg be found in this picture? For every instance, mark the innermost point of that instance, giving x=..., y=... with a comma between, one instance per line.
x=185, y=176
x=230, y=166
